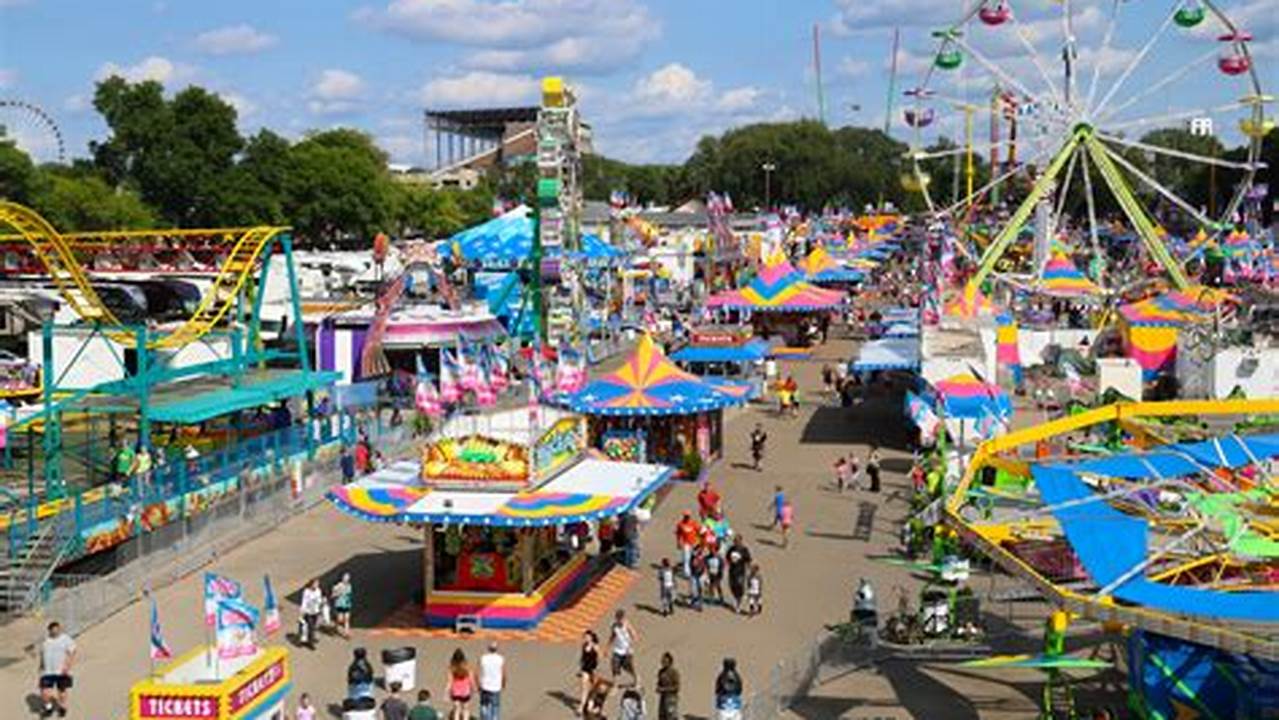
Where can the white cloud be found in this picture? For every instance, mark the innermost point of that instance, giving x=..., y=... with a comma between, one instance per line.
x=234, y=40
x=672, y=85
x=526, y=35
x=478, y=88
x=738, y=99
x=852, y=67
x=8, y=78
x=244, y=107
x=402, y=148
x=77, y=103
x=154, y=67
x=335, y=92
x=858, y=15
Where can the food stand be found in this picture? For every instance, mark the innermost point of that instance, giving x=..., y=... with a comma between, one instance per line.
x=198, y=686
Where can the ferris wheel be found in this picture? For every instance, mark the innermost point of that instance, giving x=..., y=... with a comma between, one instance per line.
x=1070, y=94
x=33, y=129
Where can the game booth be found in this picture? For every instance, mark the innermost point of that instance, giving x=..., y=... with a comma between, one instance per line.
x=649, y=410
x=503, y=513
x=779, y=301
x=724, y=351
x=199, y=686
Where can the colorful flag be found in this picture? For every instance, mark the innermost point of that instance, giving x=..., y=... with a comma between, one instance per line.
x=270, y=608
x=217, y=588
x=159, y=648
x=922, y=415
x=450, y=389
x=236, y=621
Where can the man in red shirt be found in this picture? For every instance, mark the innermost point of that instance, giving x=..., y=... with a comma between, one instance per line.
x=708, y=501
x=687, y=535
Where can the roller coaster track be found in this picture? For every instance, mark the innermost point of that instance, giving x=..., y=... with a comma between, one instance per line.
x=69, y=277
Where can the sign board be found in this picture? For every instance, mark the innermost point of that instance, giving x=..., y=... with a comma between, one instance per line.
x=191, y=688
x=719, y=336
x=558, y=447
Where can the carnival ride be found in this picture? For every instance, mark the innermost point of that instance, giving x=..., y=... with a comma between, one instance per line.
x=108, y=383
x=33, y=128
x=1176, y=537
x=1065, y=130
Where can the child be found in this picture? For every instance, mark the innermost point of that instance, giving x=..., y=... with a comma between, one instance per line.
x=632, y=705
x=715, y=575
x=754, y=591
x=788, y=517
x=666, y=586
x=841, y=473
x=854, y=473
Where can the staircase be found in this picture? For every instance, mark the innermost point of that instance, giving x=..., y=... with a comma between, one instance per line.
x=25, y=574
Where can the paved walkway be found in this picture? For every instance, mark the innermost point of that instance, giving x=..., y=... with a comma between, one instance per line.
x=806, y=585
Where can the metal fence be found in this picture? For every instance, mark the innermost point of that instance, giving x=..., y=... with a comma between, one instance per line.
x=793, y=677
x=265, y=498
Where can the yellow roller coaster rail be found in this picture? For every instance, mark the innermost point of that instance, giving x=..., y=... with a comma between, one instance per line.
x=57, y=254
x=1103, y=608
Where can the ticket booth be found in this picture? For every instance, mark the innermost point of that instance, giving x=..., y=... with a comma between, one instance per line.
x=198, y=686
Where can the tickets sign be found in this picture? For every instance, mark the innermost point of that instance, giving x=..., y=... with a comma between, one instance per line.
x=169, y=707
x=255, y=687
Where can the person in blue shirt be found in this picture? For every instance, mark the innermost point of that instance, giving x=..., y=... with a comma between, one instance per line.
x=728, y=692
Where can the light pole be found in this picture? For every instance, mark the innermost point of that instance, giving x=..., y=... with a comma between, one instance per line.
x=768, y=169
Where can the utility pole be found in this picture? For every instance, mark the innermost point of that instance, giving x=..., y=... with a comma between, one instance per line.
x=892, y=84
x=817, y=70
x=768, y=169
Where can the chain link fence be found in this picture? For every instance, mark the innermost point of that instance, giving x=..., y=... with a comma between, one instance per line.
x=791, y=678
x=264, y=498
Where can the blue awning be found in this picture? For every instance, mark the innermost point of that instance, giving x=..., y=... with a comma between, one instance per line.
x=888, y=354
x=756, y=349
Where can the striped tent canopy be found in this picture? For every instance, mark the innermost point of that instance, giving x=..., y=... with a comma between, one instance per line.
x=1060, y=277
x=1175, y=307
x=971, y=302
x=821, y=267
x=966, y=396
x=648, y=383
x=779, y=287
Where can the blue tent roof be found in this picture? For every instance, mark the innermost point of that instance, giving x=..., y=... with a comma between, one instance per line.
x=508, y=240
x=888, y=354
x=756, y=349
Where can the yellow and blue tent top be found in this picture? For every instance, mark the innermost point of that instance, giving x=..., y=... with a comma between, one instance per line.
x=778, y=287
x=969, y=303
x=821, y=267
x=648, y=383
x=588, y=490
x=1175, y=307
x=1060, y=277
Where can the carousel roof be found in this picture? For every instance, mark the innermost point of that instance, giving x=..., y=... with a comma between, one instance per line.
x=648, y=383
x=966, y=396
x=778, y=287
x=590, y=490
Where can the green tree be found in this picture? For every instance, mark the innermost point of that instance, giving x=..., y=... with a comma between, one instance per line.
x=338, y=187
x=18, y=176
x=76, y=199
x=179, y=154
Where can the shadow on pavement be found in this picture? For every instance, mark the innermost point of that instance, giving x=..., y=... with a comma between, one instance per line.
x=383, y=582
x=873, y=423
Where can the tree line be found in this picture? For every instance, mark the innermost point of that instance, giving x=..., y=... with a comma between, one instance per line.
x=181, y=162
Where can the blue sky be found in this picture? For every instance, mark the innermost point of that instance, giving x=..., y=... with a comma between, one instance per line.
x=654, y=75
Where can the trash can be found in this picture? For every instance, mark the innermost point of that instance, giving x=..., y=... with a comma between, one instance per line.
x=361, y=708
x=400, y=665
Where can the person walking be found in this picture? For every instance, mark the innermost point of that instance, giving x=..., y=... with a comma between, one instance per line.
x=57, y=653
x=779, y=502
x=728, y=692
x=872, y=468
x=394, y=707
x=423, y=710
x=758, y=439
x=788, y=518
x=305, y=711
x=461, y=686
x=312, y=607
x=588, y=663
x=696, y=578
x=359, y=675
x=739, y=562
x=492, y=682
x=341, y=599
x=347, y=463
x=841, y=473
x=714, y=575
x=854, y=473
x=666, y=587
x=754, y=591
x=668, y=689
x=623, y=638
x=687, y=534
x=597, y=700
